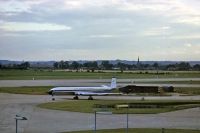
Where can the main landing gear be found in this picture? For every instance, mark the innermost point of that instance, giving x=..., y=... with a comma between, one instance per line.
x=90, y=98
x=53, y=99
x=75, y=97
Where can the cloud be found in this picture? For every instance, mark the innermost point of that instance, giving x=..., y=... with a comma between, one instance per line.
x=14, y=7
x=85, y=4
x=135, y=27
x=103, y=36
x=181, y=52
x=24, y=26
x=188, y=45
x=150, y=5
x=191, y=20
x=158, y=31
x=178, y=11
x=188, y=36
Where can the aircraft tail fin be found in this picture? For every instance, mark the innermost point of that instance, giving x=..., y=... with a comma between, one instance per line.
x=113, y=83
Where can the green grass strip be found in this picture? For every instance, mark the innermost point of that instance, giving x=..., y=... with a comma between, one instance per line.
x=137, y=106
x=51, y=74
x=33, y=90
x=140, y=130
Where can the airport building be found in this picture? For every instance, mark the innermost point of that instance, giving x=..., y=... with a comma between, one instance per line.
x=139, y=89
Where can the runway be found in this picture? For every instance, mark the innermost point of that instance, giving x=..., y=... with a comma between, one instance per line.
x=95, y=82
x=51, y=121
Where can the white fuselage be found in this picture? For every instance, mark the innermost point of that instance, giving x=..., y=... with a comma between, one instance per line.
x=72, y=89
x=101, y=90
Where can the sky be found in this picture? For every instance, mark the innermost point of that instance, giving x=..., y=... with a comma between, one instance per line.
x=41, y=30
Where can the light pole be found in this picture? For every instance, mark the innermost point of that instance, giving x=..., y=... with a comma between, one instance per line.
x=127, y=119
x=18, y=117
x=95, y=120
x=127, y=113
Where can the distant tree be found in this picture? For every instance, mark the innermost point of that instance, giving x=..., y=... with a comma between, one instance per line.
x=134, y=66
x=129, y=66
x=24, y=65
x=122, y=66
x=66, y=64
x=15, y=66
x=94, y=64
x=146, y=66
x=171, y=67
x=86, y=64
x=196, y=67
x=184, y=66
x=56, y=65
x=61, y=64
x=140, y=66
x=75, y=65
x=106, y=65
x=155, y=65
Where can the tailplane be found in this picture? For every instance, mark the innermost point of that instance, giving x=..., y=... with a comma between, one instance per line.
x=113, y=83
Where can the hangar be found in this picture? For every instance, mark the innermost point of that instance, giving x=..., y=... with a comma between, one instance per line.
x=139, y=89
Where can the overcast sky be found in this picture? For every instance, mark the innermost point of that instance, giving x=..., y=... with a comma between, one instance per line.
x=100, y=29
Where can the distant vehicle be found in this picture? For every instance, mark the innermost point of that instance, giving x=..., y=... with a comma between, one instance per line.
x=85, y=91
x=168, y=88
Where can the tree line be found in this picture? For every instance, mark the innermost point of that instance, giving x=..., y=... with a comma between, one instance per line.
x=23, y=66
x=106, y=65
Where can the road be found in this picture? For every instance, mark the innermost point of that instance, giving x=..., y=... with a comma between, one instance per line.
x=51, y=121
x=94, y=82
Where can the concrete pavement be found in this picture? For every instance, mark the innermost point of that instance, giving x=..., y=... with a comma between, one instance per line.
x=95, y=82
x=51, y=121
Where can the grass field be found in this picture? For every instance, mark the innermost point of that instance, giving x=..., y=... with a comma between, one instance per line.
x=168, y=82
x=135, y=106
x=188, y=91
x=140, y=130
x=50, y=74
x=35, y=90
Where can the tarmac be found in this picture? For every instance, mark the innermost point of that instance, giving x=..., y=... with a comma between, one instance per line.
x=96, y=82
x=53, y=121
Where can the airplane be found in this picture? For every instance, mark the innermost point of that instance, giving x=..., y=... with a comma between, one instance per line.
x=85, y=91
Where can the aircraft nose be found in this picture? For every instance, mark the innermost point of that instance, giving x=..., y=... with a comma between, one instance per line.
x=50, y=92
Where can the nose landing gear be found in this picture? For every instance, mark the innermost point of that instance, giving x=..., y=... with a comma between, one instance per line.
x=76, y=97
x=90, y=98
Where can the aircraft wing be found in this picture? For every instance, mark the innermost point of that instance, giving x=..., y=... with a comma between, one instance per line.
x=84, y=93
x=104, y=86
